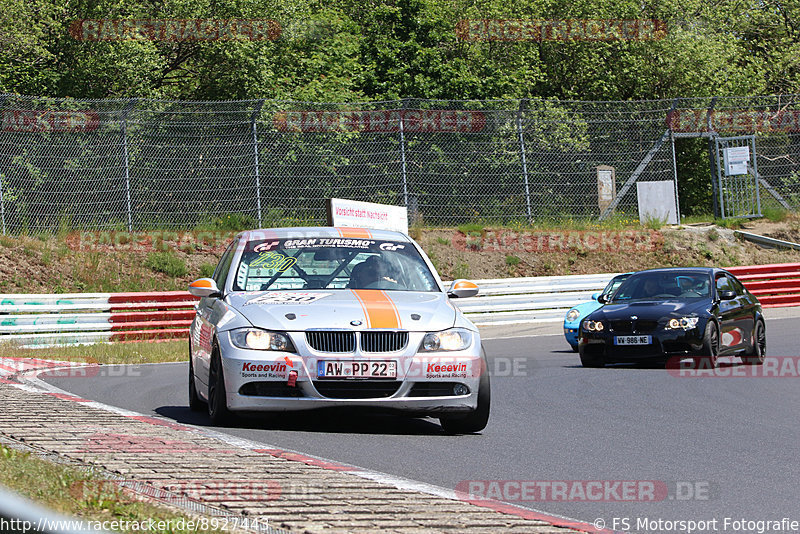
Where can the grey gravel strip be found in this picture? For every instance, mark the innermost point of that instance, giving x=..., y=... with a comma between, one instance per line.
x=280, y=493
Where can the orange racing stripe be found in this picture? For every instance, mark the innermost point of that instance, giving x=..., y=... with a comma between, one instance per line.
x=379, y=309
x=355, y=233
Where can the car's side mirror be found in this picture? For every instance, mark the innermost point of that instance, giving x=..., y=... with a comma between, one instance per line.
x=204, y=287
x=727, y=294
x=599, y=298
x=462, y=289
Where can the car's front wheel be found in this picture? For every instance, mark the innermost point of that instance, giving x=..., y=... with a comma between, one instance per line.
x=217, y=396
x=196, y=404
x=476, y=420
x=710, y=355
x=756, y=357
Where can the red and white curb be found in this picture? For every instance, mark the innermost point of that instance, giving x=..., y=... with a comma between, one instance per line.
x=27, y=379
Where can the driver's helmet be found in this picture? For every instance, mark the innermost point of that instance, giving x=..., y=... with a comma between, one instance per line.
x=371, y=270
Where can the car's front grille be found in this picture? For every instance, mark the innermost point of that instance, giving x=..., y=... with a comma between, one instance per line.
x=343, y=341
x=269, y=389
x=627, y=327
x=383, y=341
x=332, y=341
x=432, y=389
x=357, y=389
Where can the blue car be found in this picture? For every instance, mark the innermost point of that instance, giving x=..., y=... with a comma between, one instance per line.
x=573, y=318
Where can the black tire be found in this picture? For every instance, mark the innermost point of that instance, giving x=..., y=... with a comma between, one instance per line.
x=709, y=359
x=217, y=398
x=574, y=348
x=759, y=345
x=592, y=361
x=196, y=404
x=476, y=420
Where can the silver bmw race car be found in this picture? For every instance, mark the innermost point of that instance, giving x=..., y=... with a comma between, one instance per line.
x=307, y=318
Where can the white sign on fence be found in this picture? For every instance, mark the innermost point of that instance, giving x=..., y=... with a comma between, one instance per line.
x=657, y=201
x=353, y=213
x=736, y=159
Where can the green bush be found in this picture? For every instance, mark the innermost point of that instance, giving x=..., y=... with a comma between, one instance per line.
x=207, y=270
x=167, y=263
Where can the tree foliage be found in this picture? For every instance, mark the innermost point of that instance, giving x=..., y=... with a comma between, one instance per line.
x=384, y=49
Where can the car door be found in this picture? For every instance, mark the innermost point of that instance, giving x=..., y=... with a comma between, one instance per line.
x=746, y=318
x=204, y=323
x=731, y=334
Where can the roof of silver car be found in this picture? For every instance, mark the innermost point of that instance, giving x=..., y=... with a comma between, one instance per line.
x=323, y=231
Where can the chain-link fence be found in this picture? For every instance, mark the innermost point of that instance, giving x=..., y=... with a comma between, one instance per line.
x=139, y=164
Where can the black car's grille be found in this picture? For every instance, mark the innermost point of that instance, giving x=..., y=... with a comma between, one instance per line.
x=383, y=341
x=343, y=341
x=332, y=341
x=357, y=389
x=628, y=326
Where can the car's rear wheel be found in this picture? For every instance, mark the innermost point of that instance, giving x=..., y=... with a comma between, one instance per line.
x=756, y=357
x=476, y=420
x=710, y=356
x=217, y=397
x=196, y=404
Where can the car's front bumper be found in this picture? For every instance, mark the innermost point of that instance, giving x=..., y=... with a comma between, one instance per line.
x=665, y=343
x=260, y=380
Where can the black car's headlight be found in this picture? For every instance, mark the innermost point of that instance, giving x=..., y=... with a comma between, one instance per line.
x=254, y=338
x=452, y=339
x=593, y=326
x=573, y=314
x=685, y=323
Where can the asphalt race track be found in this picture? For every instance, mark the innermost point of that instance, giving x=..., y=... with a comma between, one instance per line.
x=723, y=446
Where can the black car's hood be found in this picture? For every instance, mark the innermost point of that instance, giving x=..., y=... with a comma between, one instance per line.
x=653, y=309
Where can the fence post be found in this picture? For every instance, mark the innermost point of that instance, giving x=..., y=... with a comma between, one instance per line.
x=524, y=159
x=712, y=157
x=128, y=108
x=254, y=129
x=401, y=120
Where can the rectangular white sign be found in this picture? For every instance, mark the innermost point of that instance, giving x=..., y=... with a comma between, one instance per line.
x=736, y=160
x=354, y=213
x=657, y=201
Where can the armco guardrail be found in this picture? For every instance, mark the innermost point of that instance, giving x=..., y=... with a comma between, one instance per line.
x=34, y=320
x=775, y=285
x=41, y=320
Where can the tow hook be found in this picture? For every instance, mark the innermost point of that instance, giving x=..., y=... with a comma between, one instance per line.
x=292, y=382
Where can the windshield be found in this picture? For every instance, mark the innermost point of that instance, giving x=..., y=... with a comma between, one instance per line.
x=332, y=263
x=613, y=285
x=661, y=285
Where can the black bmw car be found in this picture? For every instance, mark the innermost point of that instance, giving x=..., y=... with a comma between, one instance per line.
x=659, y=314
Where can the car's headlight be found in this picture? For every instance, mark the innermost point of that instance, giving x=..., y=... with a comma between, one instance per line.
x=453, y=339
x=253, y=338
x=573, y=314
x=686, y=323
x=593, y=326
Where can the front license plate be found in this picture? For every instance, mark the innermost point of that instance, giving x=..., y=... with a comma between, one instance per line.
x=632, y=340
x=357, y=369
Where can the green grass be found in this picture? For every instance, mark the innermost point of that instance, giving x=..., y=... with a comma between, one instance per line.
x=78, y=493
x=167, y=263
x=512, y=261
x=774, y=214
x=108, y=353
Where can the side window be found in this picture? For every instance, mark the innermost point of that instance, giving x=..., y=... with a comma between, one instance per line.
x=738, y=287
x=221, y=273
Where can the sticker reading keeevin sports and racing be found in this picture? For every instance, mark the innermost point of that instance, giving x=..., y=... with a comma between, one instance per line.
x=287, y=297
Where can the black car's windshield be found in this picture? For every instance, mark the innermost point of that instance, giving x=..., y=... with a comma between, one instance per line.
x=664, y=285
x=613, y=285
x=332, y=263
